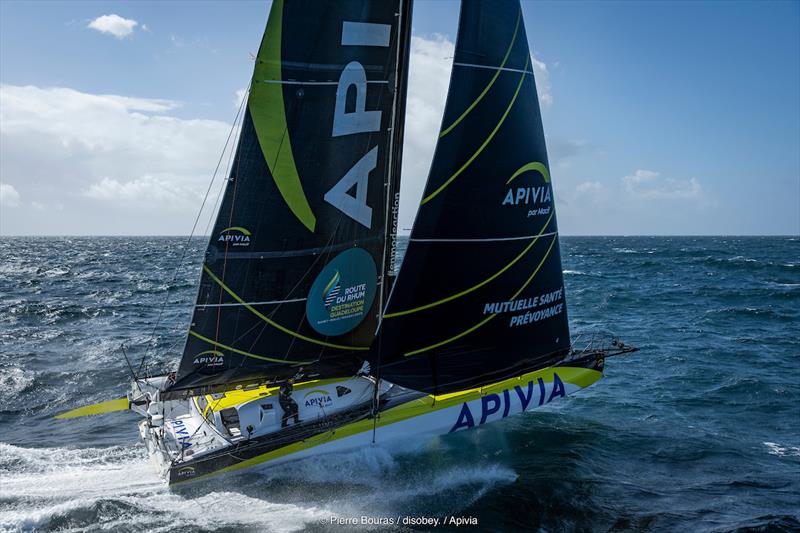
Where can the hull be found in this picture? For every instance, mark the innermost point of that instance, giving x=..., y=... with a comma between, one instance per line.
x=403, y=414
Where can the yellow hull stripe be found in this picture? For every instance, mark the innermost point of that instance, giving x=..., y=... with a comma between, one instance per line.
x=479, y=285
x=480, y=149
x=268, y=111
x=581, y=377
x=490, y=317
x=275, y=324
x=491, y=82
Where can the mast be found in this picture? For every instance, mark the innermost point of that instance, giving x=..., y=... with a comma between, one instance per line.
x=480, y=294
x=291, y=275
x=392, y=209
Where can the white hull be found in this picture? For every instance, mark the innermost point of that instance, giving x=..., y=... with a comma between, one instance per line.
x=408, y=415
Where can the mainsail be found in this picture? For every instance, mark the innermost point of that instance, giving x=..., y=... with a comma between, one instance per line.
x=293, y=272
x=480, y=295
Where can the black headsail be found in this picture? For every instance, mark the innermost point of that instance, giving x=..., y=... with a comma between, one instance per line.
x=480, y=294
x=293, y=272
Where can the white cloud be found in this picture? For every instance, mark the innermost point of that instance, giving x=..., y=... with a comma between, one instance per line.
x=113, y=25
x=146, y=190
x=429, y=76
x=105, y=156
x=648, y=184
x=9, y=197
x=543, y=86
x=237, y=99
x=589, y=186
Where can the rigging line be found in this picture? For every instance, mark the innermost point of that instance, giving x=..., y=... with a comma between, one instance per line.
x=297, y=284
x=248, y=354
x=235, y=179
x=490, y=317
x=480, y=149
x=229, y=166
x=221, y=191
x=482, y=283
x=227, y=246
x=268, y=302
x=491, y=82
x=272, y=322
x=191, y=234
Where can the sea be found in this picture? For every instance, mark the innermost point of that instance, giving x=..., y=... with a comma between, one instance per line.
x=698, y=431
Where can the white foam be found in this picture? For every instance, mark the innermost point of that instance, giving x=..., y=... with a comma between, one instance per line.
x=42, y=485
x=782, y=451
x=12, y=381
x=47, y=483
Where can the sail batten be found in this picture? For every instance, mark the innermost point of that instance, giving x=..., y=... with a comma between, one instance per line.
x=305, y=202
x=480, y=296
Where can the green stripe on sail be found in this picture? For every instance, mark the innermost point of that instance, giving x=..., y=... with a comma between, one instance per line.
x=534, y=165
x=479, y=285
x=272, y=322
x=269, y=119
x=480, y=149
x=244, y=231
x=490, y=317
x=491, y=82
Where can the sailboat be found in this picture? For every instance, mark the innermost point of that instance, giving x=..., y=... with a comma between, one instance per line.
x=304, y=340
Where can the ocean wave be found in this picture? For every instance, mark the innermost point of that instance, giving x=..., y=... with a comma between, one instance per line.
x=748, y=311
x=782, y=451
x=13, y=381
x=116, y=488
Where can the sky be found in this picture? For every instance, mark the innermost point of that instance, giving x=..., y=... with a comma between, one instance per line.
x=662, y=118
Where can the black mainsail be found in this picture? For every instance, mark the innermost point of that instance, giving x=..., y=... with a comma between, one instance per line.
x=293, y=272
x=480, y=295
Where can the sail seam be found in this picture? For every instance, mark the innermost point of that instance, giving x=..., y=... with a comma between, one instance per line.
x=490, y=67
x=297, y=82
x=490, y=317
x=269, y=302
x=480, y=149
x=482, y=283
x=491, y=82
x=486, y=240
x=247, y=354
x=275, y=324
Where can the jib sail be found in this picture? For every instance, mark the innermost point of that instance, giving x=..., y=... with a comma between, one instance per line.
x=293, y=272
x=480, y=294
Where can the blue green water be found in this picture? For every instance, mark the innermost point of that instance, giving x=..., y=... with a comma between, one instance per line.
x=700, y=431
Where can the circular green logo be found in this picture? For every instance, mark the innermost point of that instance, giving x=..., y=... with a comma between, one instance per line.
x=342, y=294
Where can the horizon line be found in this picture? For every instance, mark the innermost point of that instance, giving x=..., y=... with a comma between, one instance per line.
x=175, y=235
